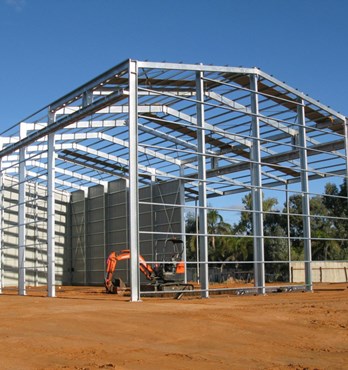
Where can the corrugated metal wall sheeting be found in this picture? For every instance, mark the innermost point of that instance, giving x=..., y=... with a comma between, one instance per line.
x=116, y=225
x=86, y=231
x=77, y=234
x=100, y=226
x=167, y=219
x=36, y=234
x=95, y=234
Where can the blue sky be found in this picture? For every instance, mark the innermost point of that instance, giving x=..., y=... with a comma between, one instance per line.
x=49, y=47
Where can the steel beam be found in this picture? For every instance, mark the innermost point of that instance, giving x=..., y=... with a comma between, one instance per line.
x=62, y=122
x=202, y=188
x=133, y=182
x=51, y=281
x=256, y=182
x=113, y=158
x=113, y=109
x=243, y=109
x=36, y=236
x=277, y=124
x=275, y=159
x=185, y=117
x=21, y=215
x=68, y=173
x=195, y=67
x=223, y=133
x=1, y=225
x=141, y=149
x=346, y=155
x=300, y=95
x=288, y=235
x=89, y=86
x=305, y=195
x=182, y=218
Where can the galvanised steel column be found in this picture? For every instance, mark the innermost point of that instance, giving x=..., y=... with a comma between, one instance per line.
x=288, y=228
x=35, y=236
x=345, y=124
x=346, y=153
x=197, y=240
x=182, y=217
x=51, y=267
x=85, y=236
x=1, y=225
x=133, y=182
x=256, y=182
x=21, y=214
x=305, y=195
x=202, y=188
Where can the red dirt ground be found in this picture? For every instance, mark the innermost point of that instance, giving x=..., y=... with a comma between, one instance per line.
x=86, y=329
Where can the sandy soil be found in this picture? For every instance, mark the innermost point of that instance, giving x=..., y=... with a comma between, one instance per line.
x=86, y=329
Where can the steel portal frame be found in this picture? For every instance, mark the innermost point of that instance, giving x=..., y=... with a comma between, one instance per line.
x=221, y=130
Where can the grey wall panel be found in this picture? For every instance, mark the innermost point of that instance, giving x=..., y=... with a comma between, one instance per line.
x=36, y=234
x=77, y=219
x=96, y=228
x=95, y=235
x=99, y=225
x=146, y=223
x=118, y=210
x=118, y=236
x=117, y=222
x=87, y=230
x=167, y=218
x=62, y=239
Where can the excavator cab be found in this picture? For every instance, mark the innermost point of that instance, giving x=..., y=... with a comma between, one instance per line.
x=169, y=259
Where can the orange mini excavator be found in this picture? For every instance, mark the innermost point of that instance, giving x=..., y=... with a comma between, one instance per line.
x=163, y=276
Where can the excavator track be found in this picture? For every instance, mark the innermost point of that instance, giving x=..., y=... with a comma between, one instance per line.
x=178, y=288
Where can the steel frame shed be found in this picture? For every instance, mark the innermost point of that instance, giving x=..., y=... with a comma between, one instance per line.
x=220, y=130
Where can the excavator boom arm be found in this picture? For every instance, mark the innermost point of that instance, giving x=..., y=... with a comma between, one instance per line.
x=111, y=264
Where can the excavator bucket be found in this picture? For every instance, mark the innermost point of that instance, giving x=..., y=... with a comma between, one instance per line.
x=120, y=286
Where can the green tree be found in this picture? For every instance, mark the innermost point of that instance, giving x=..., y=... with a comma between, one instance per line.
x=216, y=225
x=336, y=203
x=220, y=247
x=329, y=229
x=246, y=222
x=323, y=244
x=323, y=227
x=191, y=240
